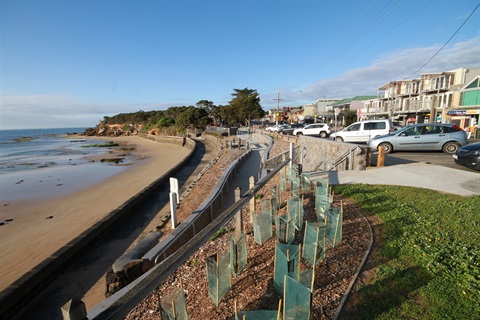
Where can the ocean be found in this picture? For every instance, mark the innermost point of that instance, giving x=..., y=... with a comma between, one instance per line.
x=45, y=163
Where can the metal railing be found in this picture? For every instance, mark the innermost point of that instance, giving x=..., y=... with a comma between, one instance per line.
x=347, y=156
x=119, y=304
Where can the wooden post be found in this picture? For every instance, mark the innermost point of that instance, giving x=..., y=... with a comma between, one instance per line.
x=279, y=312
x=381, y=157
x=238, y=216
x=252, y=201
x=291, y=155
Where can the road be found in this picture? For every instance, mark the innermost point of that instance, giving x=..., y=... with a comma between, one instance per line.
x=430, y=157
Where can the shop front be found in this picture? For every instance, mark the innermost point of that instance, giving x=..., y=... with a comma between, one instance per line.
x=463, y=118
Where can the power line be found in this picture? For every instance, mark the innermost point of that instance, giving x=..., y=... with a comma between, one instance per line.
x=478, y=5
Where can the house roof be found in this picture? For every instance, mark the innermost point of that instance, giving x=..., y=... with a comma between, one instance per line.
x=349, y=100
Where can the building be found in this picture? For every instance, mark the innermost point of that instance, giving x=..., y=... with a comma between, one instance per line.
x=468, y=110
x=435, y=97
x=354, y=104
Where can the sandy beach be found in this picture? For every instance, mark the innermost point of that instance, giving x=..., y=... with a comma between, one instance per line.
x=36, y=228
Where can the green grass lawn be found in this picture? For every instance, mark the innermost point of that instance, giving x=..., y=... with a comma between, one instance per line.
x=428, y=263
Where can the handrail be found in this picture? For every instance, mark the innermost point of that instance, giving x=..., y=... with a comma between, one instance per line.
x=300, y=154
x=334, y=164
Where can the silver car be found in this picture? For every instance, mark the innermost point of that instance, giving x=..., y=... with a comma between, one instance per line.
x=422, y=137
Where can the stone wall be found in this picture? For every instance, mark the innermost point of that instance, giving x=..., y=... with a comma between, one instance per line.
x=324, y=154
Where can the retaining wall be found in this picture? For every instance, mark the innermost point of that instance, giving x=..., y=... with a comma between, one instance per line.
x=322, y=154
x=208, y=210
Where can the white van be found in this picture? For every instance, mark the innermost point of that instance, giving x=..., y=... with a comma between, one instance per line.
x=363, y=131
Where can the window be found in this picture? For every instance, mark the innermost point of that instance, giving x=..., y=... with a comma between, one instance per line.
x=354, y=127
x=414, y=131
x=375, y=125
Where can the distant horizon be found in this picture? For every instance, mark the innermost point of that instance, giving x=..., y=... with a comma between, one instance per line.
x=18, y=129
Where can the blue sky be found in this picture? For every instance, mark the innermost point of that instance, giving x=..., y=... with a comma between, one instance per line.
x=70, y=63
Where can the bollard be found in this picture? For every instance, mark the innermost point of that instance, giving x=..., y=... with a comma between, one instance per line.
x=174, y=188
x=173, y=209
x=381, y=157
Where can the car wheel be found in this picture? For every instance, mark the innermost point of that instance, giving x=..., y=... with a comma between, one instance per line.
x=323, y=134
x=450, y=147
x=386, y=146
x=339, y=139
x=299, y=134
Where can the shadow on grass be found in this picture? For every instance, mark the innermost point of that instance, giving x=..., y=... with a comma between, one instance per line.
x=373, y=300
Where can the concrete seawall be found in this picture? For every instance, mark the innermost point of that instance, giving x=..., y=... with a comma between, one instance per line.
x=16, y=296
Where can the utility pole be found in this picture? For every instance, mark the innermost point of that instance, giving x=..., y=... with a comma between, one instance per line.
x=324, y=110
x=278, y=106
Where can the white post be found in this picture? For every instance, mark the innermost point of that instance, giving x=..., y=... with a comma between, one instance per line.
x=173, y=209
x=174, y=188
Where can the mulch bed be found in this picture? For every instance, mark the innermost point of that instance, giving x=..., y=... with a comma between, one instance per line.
x=253, y=289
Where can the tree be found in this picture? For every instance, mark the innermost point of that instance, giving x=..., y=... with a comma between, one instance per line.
x=193, y=117
x=350, y=117
x=244, y=107
x=212, y=110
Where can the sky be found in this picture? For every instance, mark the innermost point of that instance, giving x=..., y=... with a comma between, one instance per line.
x=70, y=63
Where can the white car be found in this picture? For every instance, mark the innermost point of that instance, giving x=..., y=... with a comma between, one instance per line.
x=276, y=128
x=315, y=129
x=362, y=131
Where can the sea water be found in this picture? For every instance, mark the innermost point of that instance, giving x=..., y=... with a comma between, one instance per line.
x=43, y=163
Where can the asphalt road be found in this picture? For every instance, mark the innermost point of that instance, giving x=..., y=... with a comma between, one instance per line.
x=430, y=157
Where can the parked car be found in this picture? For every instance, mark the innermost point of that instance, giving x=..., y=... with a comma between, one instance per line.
x=275, y=128
x=290, y=128
x=425, y=136
x=397, y=125
x=468, y=156
x=362, y=131
x=314, y=129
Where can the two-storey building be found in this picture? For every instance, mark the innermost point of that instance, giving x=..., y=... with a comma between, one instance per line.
x=435, y=97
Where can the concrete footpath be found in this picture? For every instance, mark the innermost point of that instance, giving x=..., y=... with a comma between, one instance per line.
x=420, y=175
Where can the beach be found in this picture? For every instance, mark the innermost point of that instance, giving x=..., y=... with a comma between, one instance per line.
x=36, y=227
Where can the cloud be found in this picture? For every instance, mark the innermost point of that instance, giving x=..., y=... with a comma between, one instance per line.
x=397, y=65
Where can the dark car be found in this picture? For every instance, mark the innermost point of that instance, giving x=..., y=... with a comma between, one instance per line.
x=468, y=156
x=290, y=128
